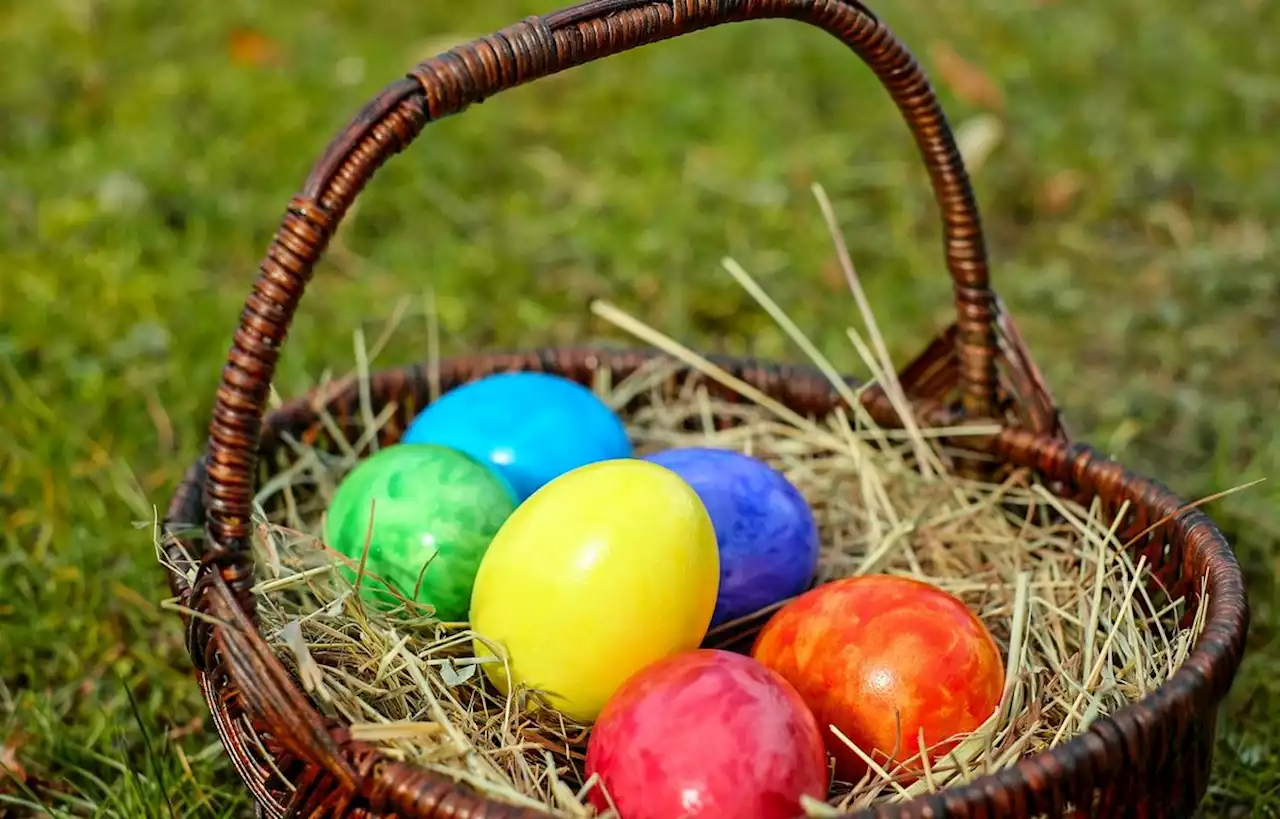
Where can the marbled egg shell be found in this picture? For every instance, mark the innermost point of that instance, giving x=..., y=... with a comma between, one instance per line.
x=604, y=570
x=531, y=427
x=431, y=507
x=707, y=734
x=881, y=658
x=766, y=533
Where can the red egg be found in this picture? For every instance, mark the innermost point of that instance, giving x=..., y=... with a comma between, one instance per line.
x=882, y=658
x=706, y=733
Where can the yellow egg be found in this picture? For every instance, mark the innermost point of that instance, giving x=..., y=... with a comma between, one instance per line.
x=602, y=571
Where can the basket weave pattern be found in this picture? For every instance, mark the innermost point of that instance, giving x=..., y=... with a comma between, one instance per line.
x=1149, y=759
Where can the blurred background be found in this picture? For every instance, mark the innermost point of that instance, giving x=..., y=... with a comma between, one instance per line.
x=1123, y=153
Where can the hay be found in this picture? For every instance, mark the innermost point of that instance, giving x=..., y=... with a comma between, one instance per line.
x=1084, y=630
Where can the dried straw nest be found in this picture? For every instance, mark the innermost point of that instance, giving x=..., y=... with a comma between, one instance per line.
x=1082, y=631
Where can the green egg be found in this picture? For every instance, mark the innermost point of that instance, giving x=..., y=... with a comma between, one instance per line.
x=433, y=508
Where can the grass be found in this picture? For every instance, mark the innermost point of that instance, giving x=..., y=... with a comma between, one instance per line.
x=147, y=150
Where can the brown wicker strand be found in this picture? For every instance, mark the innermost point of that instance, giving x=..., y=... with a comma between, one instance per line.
x=399, y=788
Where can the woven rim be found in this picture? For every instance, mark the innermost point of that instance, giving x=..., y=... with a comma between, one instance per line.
x=1114, y=754
x=978, y=370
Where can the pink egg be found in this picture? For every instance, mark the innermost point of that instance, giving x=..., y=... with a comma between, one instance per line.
x=706, y=733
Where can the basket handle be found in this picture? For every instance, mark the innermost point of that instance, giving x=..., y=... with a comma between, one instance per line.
x=447, y=84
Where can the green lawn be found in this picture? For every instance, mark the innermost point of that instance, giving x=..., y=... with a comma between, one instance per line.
x=147, y=149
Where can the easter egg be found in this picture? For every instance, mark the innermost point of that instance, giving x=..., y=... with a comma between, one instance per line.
x=767, y=536
x=529, y=426
x=604, y=570
x=434, y=511
x=882, y=658
x=706, y=733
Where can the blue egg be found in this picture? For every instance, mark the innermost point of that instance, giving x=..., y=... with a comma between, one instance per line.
x=529, y=427
x=766, y=532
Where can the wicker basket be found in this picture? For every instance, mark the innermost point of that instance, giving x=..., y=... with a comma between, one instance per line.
x=1150, y=759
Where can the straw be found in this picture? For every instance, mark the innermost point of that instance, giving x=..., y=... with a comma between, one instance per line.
x=1084, y=629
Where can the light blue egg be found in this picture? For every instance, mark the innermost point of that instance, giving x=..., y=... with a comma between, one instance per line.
x=765, y=530
x=530, y=427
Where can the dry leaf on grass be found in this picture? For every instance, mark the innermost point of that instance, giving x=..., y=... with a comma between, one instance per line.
x=250, y=47
x=1060, y=191
x=966, y=80
x=11, y=771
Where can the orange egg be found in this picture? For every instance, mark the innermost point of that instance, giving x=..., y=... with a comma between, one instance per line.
x=882, y=658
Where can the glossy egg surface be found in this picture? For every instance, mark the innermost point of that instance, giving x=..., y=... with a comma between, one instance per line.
x=532, y=427
x=606, y=569
x=434, y=512
x=767, y=534
x=882, y=658
x=707, y=733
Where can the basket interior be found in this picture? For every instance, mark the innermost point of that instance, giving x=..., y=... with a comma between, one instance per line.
x=666, y=404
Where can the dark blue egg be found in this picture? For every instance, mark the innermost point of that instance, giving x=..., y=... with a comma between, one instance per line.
x=766, y=532
x=529, y=427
